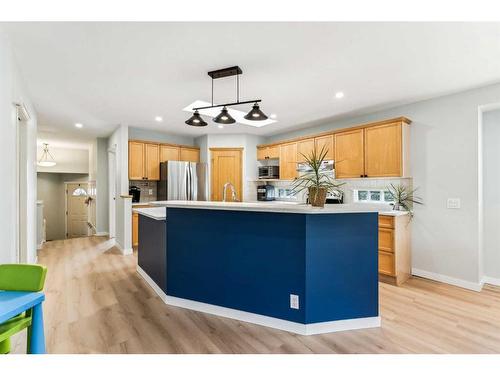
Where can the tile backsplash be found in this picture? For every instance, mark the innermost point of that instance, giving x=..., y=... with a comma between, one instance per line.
x=348, y=188
x=146, y=187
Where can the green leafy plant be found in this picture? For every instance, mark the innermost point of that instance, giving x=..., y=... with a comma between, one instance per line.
x=404, y=197
x=317, y=182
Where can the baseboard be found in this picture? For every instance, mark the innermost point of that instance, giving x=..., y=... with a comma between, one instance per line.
x=491, y=281
x=99, y=234
x=152, y=284
x=448, y=280
x=285, y=325
x=123, y=251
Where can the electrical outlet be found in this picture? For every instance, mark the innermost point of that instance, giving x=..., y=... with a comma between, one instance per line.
x=294, y=301
x=453, y=203
x=150, y=191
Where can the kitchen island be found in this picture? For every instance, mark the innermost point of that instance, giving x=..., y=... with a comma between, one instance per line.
x=292, y=267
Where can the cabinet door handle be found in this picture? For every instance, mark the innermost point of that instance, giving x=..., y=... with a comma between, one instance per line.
x=361, y=175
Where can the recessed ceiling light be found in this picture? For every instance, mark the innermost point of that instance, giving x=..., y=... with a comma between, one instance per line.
x=273, y=115
x=220, y=126
x=158, y=118
x=339, y=95
x=79, y=125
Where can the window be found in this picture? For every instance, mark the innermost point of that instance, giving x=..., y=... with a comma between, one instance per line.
x=372, y=196
x=79, y=192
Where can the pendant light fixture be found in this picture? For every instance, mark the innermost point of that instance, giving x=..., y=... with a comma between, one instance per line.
x=47, y=160
x=255, y=114
x=196, y=120
x=224, y=117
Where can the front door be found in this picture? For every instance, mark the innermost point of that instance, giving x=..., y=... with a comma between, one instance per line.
x=226, y=167
x=77, y=210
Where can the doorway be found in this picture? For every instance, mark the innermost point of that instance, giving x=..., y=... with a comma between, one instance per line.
x=226, y=166
x=77, y=209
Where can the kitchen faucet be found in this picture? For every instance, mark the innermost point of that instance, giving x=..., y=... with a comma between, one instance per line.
x=233, y=192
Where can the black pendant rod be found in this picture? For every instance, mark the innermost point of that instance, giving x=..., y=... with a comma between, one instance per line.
x=228, y=104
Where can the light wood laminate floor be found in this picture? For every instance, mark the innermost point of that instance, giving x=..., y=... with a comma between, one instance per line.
x=97, y=303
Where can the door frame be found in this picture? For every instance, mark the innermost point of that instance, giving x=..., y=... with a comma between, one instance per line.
x=112, y=191
x=21, y=117
x=240, y=149
x=66, y=183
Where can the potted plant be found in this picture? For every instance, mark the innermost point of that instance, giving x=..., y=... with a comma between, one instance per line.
x=315, y=181
x=404, y=198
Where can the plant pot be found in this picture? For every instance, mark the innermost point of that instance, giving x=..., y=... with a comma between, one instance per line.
x=317, y=196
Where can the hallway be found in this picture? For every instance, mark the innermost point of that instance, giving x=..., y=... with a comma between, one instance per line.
x=97, y=303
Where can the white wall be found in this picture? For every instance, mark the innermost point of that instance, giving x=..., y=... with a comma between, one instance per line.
x=444, y=163
x=102, y=214
x=159, y=136
x=491, y=191
x=123, y=206
x=248, y=143
x=12, y=91
x=69, y=160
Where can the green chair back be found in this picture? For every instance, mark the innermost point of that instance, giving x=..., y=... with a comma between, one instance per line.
x=22, y=277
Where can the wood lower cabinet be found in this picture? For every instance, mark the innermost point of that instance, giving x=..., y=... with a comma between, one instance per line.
x=350, y=154
x=288, y=161
x=135, y=229
x=190, y=154
x=394, y=248
x=135, y=224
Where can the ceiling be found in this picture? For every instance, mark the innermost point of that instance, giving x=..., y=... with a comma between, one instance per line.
x=105, y=74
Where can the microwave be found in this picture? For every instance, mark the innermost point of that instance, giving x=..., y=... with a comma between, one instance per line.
x=269, y=172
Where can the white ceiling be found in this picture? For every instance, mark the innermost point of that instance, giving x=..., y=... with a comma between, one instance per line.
x=104, y=74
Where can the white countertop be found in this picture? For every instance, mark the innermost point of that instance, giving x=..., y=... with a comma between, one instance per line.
x=276, y=206
x=157, y=213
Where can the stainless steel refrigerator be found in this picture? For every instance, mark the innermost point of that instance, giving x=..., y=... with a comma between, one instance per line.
x=183, y=180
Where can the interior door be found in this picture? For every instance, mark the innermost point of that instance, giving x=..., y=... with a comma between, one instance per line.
x=349, y=154
x=77, y=210
x=226, y=166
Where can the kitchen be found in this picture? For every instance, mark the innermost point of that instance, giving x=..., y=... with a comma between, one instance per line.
x=370, y=158
x=287, y=204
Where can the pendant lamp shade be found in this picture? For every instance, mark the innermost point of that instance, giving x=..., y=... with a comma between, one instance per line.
x=196, y=120
x=46, y=160
x=255, y=114
x=224, y=117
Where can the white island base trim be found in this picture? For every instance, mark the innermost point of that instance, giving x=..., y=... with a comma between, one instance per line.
x=285, y=325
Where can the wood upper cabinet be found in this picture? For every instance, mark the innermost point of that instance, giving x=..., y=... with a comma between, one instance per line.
x=152, y=161
x=288, y=161
x=169, y=153
x=304, y=148
x=383, y=151
x=270, y=152
x=349, y=154
x=136, y=160
x=325, y=141
x=190, y=154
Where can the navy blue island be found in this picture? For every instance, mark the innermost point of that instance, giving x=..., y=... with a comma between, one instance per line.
x=297, y=268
